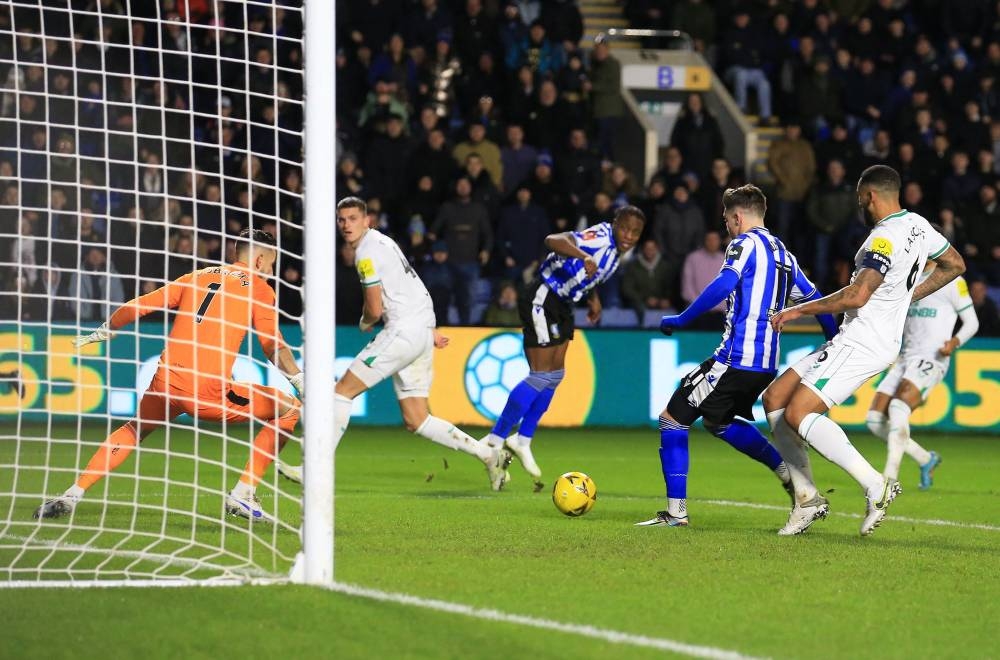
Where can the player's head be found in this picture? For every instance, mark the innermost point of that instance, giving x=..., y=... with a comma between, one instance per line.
x=256, y=248
x=743, y=208
x=878, y=192
x=627, y=227
x=352, y=219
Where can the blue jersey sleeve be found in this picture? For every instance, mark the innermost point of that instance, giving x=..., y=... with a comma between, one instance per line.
x=802, y=289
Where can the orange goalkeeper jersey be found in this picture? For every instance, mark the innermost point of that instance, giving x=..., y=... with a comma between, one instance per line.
x=216, y=307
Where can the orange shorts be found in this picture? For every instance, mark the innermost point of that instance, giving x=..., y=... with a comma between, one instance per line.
x=173, y=392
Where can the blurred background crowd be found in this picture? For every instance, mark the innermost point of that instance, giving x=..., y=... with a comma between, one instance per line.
x=473, y=128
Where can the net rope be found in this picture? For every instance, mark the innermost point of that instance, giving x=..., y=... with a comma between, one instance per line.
x=137, y=138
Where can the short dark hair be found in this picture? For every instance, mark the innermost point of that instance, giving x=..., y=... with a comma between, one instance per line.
x=353, y=203
x=248, y=238
x=748, y=197
x=882, y=178
x=629, y=211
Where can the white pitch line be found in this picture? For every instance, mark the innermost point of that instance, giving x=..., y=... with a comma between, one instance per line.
x=613, y=636
x=937, y=522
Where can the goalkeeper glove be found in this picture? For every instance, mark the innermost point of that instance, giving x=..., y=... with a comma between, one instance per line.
x=103, y=333
x=298, y=382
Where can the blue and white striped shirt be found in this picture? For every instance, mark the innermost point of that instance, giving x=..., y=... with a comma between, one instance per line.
x=566, y=277
x=768, y=276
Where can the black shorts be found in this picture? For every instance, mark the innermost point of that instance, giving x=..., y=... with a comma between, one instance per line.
x=546, y=318
x=718, y=393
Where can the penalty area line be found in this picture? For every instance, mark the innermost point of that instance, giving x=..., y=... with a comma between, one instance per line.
x=613, y=636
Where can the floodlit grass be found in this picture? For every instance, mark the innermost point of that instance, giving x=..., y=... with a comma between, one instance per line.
x=415, y=518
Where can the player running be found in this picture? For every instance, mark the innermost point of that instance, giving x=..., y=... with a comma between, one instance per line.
x=214, y=306
x=921, y=365
x=874, y=304
x=579, y=261
x=757, y=277
x=404, y=349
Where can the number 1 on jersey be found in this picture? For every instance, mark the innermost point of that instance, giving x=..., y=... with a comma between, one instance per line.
x=213, y=288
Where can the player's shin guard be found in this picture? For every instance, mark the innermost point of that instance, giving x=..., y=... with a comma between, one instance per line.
x=746, y=439
x=898, y=437
x=529, y=423
x=109, y=456
x=830, y=440
x=674, y=460
x=448, y=435
x=518, y=403
x=793, y=451
x=266, y=446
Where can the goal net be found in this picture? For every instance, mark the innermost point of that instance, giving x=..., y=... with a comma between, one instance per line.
x=138, y=138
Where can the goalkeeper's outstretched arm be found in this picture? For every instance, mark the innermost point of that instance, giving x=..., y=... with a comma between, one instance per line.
x=166, y=297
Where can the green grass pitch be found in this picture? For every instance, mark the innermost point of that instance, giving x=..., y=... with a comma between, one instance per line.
x=417, y=519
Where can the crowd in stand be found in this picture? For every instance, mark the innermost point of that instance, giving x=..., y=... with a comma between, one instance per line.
x=473, y=128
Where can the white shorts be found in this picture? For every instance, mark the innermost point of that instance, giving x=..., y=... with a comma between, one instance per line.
x=924, y=373
x=406, y=354
x=836, y=370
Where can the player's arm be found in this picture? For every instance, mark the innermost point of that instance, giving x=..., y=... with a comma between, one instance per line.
x=166, y=297
x=737, y=260
x=967, y=315
x=806, y=291
x=948, y=265
x=373, y=310
x=265, y=324
x=564, y=245
x=852, y=296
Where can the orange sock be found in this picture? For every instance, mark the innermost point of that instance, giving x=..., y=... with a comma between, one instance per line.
x=109, y=456
x=263, y=452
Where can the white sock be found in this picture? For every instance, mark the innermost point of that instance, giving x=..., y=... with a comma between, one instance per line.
x=242, y=490
x=522, y=440
x=341, y=417
x=794, y=454
x=677, y=507
x=493, y=440
x=447, y=434
x=830, y=440
x=75, y=493
x=878, y=424
x=782, y=473
x=916, y=452
x=899, y=435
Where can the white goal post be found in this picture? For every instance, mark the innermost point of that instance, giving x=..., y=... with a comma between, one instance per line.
x=137, y=139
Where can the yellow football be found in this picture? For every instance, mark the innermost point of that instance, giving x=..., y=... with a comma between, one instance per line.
x=574, y=493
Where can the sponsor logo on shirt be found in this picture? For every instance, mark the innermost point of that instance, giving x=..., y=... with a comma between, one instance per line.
x=366, y=268
x=882, y=246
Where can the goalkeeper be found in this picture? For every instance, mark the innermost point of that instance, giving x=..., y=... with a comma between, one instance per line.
x=215, y=307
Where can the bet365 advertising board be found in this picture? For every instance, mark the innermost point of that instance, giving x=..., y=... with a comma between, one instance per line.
x=613, y=377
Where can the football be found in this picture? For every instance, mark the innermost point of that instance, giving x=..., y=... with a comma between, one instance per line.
x=574, y=494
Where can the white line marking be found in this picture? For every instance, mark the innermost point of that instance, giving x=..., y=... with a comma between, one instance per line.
x=613, y=636
x=937, y=522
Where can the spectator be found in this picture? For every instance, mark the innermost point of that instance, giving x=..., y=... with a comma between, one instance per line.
x=820, y=98
x=960, y=185
x=986, y=309
x=380, y=105
x=679, y=227
x=517, y=158
x=793, y=164
x=601, y=210
x=742, y=61
x=486, y=149
x=502, y=312
x=719, y=179
x=547, y=120
x=697, y=135
x=605, y=93
x=983, y=226
x=464, y=225
x=513, y=31
x=573, y=84
x=548, y=194
x=913, y=200
x=479, y=89
x=393, y=65
x=700, y=268
x=426, y=23
x=839, y=146
x=521, y=236
x=620, y=186
x=475, y=33
x=540, y=55
x=830, y=206
x=646, y=281
x=696, y=18
x=483, y=189
x=563, y=23
x=441, y=279
x=350, y=298
x=96, y=286
x=350, y=177
x=674, y=169
x=579, y=168
x=386, y=164
x=433, y=160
